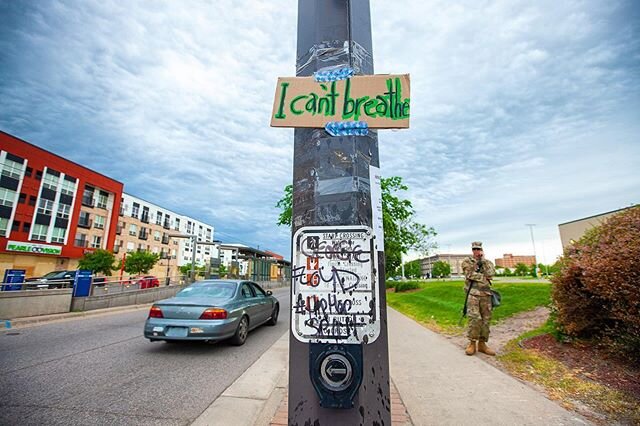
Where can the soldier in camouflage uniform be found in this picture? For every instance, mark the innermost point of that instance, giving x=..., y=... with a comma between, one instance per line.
x=478, y=273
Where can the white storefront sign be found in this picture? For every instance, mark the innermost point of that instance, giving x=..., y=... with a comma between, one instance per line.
x=335, y=285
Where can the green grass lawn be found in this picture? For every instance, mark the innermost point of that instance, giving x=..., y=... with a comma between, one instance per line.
x=440, y=303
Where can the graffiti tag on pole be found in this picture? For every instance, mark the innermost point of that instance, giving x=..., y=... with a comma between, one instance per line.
x=334, y=285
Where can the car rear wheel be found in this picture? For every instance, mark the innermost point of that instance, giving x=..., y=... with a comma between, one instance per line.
x=240, y=337
x=274, y=316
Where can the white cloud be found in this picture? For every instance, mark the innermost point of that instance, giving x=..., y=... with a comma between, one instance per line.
x=522, y=112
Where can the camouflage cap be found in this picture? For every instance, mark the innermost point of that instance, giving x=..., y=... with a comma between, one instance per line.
x=476, y=244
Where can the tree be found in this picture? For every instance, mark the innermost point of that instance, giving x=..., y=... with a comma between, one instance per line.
x=222, y=271
x=140, y=262
x=401, y=232
x=507, y=272
x=533, y=271
x=413, y=269
x=286, y=205
x=521, y=270
x=441, y=269
x=186, y=269
x=98, y=262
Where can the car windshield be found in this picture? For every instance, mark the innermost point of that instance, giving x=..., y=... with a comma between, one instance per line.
x=53, y=274
x=221, y=290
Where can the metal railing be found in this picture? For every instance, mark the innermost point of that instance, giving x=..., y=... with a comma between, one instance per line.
x=100, y=285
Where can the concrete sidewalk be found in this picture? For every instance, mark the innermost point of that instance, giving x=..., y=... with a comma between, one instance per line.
x=440, y=385
x=436, y=382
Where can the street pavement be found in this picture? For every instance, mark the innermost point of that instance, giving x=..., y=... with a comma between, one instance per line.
x=100, y=370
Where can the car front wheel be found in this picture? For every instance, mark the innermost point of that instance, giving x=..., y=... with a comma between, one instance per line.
x=242, y=331
x=274, y=316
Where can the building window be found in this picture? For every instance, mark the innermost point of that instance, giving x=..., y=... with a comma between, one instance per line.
x=133, y=229
x=87, y=196
x=98, y=222
x=63, y=211
x=32, y=200
x=28, y=172
x=130, y=247
x=50, y=182
x=12, y=169
x=81, y=240
x=155, y=250
x=7, y=197
x=4, y=224
x=159, y=218
x=38, y=174
x=135, y=209
x=45, y=206
x=22, y=198
x=156, y=235
x=84, y=219
x=15, y=226
x=95, y=243
x=39, y=232
x=58, y=235
x=26, y=227
x=177, y=228
x=67, y=187
x=102, y=200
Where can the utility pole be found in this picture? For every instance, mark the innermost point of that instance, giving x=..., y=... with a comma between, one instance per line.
x=535, y=263
x=344, y=382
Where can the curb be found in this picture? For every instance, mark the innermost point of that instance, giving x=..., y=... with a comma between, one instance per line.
x=45, y=319
x=253, y=397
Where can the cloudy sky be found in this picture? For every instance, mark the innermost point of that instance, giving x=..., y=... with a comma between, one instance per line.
x=522, y=111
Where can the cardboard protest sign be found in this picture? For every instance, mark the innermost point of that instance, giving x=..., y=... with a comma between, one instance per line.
x=382, y=101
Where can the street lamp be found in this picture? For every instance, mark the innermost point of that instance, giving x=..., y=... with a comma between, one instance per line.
x=194, y=245
x=535, y=258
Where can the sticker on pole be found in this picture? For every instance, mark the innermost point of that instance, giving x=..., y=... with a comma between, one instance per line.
x=334, y=294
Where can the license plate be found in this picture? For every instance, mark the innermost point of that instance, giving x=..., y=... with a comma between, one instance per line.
x=176, y=332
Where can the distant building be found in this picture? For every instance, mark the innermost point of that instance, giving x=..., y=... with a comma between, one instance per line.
x=249, y=263
x=52, y=210
x=145, y=226
x=510, y=261
x=575, y=229
x=454, y=260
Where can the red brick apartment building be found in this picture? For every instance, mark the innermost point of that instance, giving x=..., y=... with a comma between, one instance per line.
x=52, y=210
x=510, y=261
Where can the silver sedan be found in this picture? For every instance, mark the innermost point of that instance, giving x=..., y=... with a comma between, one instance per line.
x=212, y=310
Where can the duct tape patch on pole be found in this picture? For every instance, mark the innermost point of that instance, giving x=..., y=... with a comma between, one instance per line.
x=335, y=285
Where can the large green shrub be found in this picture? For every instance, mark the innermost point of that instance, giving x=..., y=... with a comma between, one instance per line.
x=597, y=291
x=406, y=285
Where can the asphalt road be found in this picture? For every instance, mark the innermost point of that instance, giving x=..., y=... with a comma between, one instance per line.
x=100, y=370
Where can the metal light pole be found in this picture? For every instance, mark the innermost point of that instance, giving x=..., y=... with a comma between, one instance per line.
x=535, y=263
x=194, y=244
x=331, y=188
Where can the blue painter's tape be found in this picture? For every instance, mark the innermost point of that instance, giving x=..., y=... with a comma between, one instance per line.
x=347, y=128
x=7, y=324
x=334, y=74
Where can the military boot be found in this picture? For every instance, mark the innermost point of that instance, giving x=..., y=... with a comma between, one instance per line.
x=482, y=347
x=471, y=348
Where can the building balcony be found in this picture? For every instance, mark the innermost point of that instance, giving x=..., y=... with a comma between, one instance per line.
x=85, y=223
x=118, y=230
x=121, y=211
x=87, y=201
x=116, y=250
x=144, y=218
x=164, y=255
x=165, y=239
x=81, y=243
x=143, y=235
x=166, y=225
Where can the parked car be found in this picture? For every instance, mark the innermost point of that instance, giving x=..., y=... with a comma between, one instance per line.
x=148, y=281
x=212, y=310
x=54, y=279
